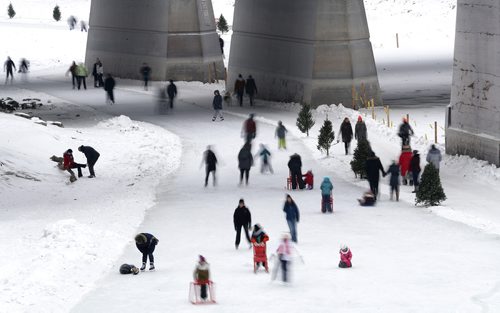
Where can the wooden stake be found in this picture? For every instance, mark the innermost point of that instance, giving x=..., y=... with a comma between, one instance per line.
x=397, y=40
x=435, y=132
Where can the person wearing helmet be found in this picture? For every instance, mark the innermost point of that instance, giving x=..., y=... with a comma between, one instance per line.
x=345, y=257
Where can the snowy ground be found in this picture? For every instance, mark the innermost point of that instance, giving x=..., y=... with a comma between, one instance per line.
x=406, y=259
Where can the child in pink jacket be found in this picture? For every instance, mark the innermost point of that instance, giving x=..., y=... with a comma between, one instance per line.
x=345, y=257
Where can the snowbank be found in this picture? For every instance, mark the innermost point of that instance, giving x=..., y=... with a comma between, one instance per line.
x=72, y=232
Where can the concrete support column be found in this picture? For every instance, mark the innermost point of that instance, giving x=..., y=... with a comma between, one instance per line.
x=311, y=51
x=473, y=117
x=176, y=38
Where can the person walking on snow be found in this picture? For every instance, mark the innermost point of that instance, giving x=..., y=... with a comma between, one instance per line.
x=7, y=67
x=292, y=216
x=345, y=257
x=434, y=157
x=405, y=131
x=92, y=156
x=286, y=251
x=281, y=134
x=373, y=169
x=251, y=88
x=265, y=158
x=81, y=75
x=415, y=169
x=346, y=132
x=394, y=181
x=201, y=276
x=239, y=88
x=146, y=74
x=109, y=87
x=249, y=131
x=404, y=164
x=242, y=219
x=326, y=194
x=69, y=163
x=72, y=70
x=146, y=243
x=217, y=105
x=210, y=161
x=295, y=167
x=171, y=92
x=360, y=131
x=97, y=72
x=245, y=162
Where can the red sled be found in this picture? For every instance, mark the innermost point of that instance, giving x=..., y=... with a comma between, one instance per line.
x=259, y=256
x=323, y=210
x=195, y=293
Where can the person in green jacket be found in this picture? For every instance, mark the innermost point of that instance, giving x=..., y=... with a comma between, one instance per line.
x=81, y=74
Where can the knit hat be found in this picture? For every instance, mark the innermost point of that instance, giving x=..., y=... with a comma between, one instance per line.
x=285, y=236
x=360, y=118
x=344, y=248
x=201, y=258
x=257, y=227
x=415, y=152
x=242, y=201
x=80, y=148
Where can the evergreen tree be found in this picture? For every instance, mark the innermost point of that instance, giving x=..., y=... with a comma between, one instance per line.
x=358, y=163
x=305, y=120
x=56, y=14
x=222, y=24
x=326, y=136
x=430, y=192
x=11, y=11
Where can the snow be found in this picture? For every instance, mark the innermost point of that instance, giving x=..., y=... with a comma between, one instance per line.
x=62, y=243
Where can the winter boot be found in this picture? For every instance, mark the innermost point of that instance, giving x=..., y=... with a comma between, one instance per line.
x=151, y=266
x=143, y=267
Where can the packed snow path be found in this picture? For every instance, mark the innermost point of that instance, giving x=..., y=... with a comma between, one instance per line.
x=405, y=259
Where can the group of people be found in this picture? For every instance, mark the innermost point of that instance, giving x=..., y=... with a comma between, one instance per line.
x=72, y=21
x=9, y=67
x=241, y=87
x=69, y=163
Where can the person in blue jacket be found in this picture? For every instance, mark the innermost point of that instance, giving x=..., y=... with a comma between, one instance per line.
x=292, y=216
x=326, y=192
x=146, y=243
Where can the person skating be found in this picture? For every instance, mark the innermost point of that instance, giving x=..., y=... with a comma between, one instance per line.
x=92, y=156
x=259, y=241
x=345, y=257
x=360, y=131
x=251, y=88
x=394, y=181
x=405, y=131
x=242, y=218
x=98, y=72
x=171, y=92
x=146, y=243
x=434, y=157
x=373, y=169
x=201, y=276
x=81, y=75
x=346, y=132
x=286, y=251
x=404, y=164
x=295, y=167
x=146, y=74
x=368, y=199
x=415, y=169
x=281, y=134
x=326, y=194
x=69, y=163
x=72, y=70
x=24, y=66
x=210, y=161
x=265, y=159
x=9, y=67
x=292, y=216
x=308, y=178
x=245, y=162
x=109, y=86
x=217, y=105
x=239, y=88
x=128, y=269
x=249, y=130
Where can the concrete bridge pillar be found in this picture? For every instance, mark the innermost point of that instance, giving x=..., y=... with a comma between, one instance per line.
x=310, y=51
x=473, y=119
x=176, y=38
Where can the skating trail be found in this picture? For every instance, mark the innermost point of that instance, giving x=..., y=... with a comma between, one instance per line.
x=405, y=259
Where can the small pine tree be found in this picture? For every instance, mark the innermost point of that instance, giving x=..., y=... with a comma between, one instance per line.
x=56, y=14
x=305, y=120
x=222, y=24
x=326, y=136
x=430, y=192
x=10, y=11
x=358, y=163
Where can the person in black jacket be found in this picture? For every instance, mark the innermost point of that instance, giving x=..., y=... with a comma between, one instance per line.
x=346, y=132
x=217, y=105
x=109, y=86
x=405, y=131
x=210, y=161
x=373, y=167
x=415, y=169
x=92, y=155
x=172, y=93
x=394, y=181
x=245, y=161
x=242, y=218
x=295, y=166
x=146, y=243
x=8, y=66
x=251, y=88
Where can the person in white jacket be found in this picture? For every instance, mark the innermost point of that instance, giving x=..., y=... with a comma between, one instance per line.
x=434, y=157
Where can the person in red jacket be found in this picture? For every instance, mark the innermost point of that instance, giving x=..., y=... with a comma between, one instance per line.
x=404, y=163
x=249, y=130
x=259, y=240
x=345, y=257
x=69, y=163
x=309, y=179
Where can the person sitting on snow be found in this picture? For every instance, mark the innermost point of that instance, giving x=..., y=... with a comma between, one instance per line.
x=69, y=163
x=309, y=179
x=129, y=269
x=201, y=276
x=368, y=199
x=345, y=257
